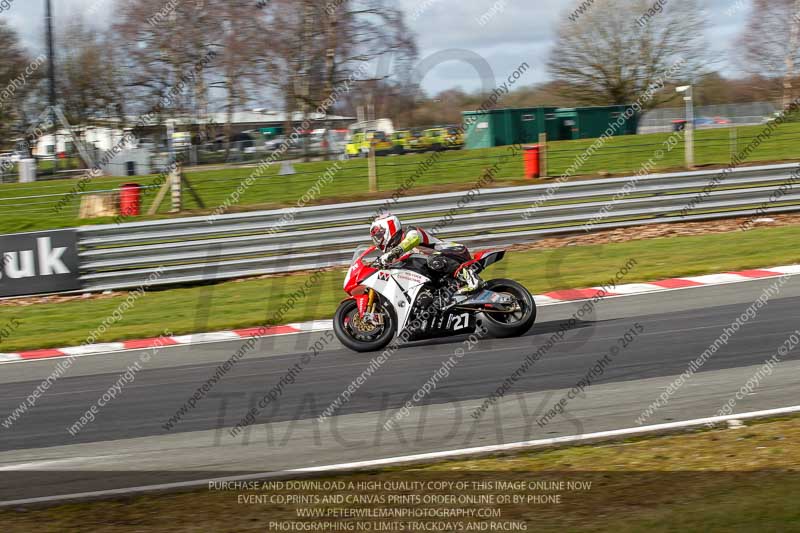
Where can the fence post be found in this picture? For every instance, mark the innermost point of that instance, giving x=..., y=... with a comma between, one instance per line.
x=543, y=155
x=733, y=142
x=175, y=178
x=373, y=170
x=27, y=170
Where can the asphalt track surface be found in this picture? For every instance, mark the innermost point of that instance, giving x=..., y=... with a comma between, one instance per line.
x=127, y=444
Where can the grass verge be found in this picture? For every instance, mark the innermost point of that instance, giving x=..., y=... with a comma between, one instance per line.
x=253, y=302
x=731, y=480
x=412, y=174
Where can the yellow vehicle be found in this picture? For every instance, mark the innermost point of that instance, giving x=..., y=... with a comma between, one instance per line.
x=353, y=146
x=400, y=141
x=360, y=143
x=407, y=141
x=444, y=138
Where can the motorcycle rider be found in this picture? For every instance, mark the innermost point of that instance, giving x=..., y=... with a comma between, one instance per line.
x=444, y=258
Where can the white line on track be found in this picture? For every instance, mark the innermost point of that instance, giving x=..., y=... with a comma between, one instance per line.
x=448, y=454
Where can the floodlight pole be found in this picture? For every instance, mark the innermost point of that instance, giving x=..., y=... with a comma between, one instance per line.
x=689, y=134
x=51, y=66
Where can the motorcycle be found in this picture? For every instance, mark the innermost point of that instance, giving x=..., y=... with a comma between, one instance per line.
x=404, y=300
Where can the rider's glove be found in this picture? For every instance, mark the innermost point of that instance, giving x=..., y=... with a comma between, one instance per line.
x=391, y=255
x=385, y=259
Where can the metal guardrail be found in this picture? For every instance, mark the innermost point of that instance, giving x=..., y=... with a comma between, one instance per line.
x=194, y=249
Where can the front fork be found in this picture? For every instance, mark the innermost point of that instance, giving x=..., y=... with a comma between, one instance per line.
x=371, y=301
x=366, y=303
x=366, y=308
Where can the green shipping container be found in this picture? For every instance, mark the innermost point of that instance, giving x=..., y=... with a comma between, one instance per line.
x=502, y=127
x=275, y=130
x=592, y=122
x=477, y=130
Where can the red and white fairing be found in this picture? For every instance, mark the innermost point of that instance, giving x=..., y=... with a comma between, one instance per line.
x=399, y=286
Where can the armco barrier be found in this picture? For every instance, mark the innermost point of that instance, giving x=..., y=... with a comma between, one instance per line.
x=246, y=244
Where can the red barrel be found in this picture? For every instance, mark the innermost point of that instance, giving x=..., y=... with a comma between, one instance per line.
x=130, y=199
x=531, y=157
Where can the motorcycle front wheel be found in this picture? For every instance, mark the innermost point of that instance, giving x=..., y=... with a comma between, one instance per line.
x=353, y=333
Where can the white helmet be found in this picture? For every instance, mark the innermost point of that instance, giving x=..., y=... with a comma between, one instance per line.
x=386, y=231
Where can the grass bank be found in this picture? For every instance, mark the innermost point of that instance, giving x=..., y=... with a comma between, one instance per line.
x=254, y=302
x=726, y=480
x=29, y=207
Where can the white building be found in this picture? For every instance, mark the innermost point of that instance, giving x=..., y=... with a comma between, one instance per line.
x=101, y=138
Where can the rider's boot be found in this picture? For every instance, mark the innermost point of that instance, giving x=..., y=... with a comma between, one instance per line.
x=471, y=282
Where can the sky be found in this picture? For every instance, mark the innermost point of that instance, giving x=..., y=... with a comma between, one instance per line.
x=504, y=33
x=524, y=30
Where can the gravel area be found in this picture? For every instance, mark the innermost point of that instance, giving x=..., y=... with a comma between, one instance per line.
x=657, y=231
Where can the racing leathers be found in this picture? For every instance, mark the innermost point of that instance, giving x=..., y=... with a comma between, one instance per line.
x=444, y=258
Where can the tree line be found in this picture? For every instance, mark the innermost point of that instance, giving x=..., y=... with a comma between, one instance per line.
x=295, y=54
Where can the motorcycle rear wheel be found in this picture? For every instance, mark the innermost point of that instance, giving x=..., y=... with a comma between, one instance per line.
x=348, y=333
x=504, y=325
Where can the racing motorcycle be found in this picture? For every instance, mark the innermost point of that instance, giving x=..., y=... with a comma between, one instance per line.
x=405, y=300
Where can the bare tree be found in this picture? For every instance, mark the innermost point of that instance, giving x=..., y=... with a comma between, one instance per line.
x=88, y=76
x=243, y=41
x=615, y=51
x=771, y=42
x=164, y=41
x=19, y=77
x=160, y=43
x=298, y=51
x=324, y=45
